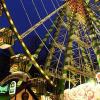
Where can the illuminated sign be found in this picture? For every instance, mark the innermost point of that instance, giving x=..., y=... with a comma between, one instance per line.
x=12, y=88
x=4, y=89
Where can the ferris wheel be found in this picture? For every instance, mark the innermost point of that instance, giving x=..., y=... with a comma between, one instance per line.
x=70, y=44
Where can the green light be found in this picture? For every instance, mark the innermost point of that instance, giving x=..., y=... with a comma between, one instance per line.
x=3, y=89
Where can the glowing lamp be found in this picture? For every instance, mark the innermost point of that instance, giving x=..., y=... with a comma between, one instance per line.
x=12, y=89
x=6, y=38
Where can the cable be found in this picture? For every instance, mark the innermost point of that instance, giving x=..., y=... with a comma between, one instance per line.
x=40, y=22
x=36, y=65
x=55, y=9
x=88, y=53
x=56, y=28
x=26, y=12
x=59, y=5
x=91, y=42
x=35, y=30
x=43, y=23
x=92, y=5
x=47, y=14
x=60, y=53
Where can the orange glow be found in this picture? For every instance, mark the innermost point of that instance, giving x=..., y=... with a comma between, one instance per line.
x=1, y=39
x=86, y=91
x=77, y=6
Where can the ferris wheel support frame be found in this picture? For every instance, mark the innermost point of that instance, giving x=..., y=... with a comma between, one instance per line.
x=23, y=44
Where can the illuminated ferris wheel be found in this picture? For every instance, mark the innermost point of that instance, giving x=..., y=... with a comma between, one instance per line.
x=71, y=45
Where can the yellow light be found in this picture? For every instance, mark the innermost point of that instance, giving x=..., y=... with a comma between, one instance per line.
x=47, y=77
x=42, y=71
x=11, y=22
x=7, y=13
x=15, y=29
x=4, y=5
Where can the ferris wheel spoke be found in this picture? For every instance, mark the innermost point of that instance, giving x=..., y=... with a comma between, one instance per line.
x=24, y=46
x=41, y=22
x=77, y=62
x=35, y=55
x=48, y=33
x=78, y=71
x=52, y=49
x=93, y=37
